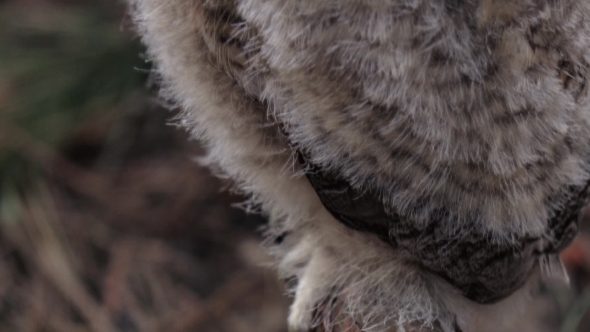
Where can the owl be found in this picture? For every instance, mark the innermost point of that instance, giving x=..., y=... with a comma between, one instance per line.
x=422, y=162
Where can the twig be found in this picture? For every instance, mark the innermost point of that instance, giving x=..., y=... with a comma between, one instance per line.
x=52, y=260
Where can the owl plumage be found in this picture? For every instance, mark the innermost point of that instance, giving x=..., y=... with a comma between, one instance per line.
x=422, y=162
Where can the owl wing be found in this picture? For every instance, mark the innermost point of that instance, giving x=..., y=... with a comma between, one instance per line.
x=483, y=270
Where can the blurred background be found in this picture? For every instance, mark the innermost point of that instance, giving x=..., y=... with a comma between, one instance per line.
x=107, y=223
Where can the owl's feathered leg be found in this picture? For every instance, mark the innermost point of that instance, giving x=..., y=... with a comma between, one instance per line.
x=310, y=290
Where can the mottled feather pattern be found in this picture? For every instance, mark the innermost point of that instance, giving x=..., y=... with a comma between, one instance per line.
x=484, y=273
x=465, y=116
x=445, y=143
